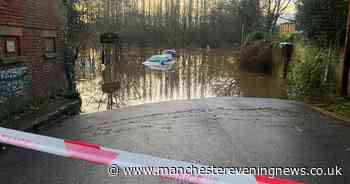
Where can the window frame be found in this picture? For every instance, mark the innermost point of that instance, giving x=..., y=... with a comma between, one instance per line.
x=54, y=47
x=4, y=47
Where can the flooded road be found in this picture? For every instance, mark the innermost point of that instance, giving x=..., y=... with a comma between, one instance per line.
x=196, y=74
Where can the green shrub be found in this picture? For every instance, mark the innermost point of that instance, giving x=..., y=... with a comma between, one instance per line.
x=257, y=56
x=312, y=74
x=255, y=36
x=13, y=106
x=322, y=21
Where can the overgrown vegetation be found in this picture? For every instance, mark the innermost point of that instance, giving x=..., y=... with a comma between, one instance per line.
x=312, y=76
x=322, y=22
x=26, y=109
x=259, y=19
x=11, y=107
x=256, y=55
x=76, y=34
x=313, y=73
x=339, y=106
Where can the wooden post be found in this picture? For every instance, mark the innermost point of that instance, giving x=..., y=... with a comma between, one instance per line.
x=243, y=35
x=346, y=61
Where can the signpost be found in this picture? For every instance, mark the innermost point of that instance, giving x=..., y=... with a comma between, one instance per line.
x=110, y=47
x=109, y=38
x=111, y=54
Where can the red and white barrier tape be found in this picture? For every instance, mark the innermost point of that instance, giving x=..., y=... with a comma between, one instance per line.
x=105, y=156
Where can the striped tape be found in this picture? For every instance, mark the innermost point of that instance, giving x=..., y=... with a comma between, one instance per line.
x=105, y=156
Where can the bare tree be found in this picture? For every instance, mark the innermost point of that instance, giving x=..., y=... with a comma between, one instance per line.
x=273, y=9
x=169, y=22
x=76, y=31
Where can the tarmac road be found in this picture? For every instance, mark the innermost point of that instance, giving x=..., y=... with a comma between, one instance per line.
x=227, y=132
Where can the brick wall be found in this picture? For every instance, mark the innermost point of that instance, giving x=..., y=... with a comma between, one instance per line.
x=37, y=20
x=11, y=12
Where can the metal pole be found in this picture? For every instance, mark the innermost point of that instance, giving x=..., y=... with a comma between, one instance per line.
x=346, y=61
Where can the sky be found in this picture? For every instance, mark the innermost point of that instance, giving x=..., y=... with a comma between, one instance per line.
x=289, y=14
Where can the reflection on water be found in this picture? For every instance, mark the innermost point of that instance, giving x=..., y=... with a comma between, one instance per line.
x=160, y=67
x=196, y=74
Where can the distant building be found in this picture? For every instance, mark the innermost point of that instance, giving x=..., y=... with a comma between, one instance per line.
x=287, y=27
x=31, y=48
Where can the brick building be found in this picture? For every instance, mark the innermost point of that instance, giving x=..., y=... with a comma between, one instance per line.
x=31, y=47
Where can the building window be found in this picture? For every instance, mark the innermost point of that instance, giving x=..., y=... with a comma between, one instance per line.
x=50, y=45
x=9, y=46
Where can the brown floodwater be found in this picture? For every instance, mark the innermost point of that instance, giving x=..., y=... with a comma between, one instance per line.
x=196, y=74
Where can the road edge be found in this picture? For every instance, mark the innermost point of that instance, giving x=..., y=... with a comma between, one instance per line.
x=323, y=111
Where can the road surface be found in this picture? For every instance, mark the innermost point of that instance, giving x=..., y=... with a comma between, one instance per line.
x=228, y=132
